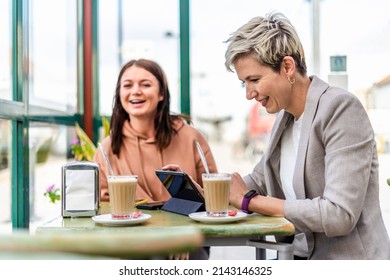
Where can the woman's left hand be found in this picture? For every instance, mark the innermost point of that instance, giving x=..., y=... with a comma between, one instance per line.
x=237, y=190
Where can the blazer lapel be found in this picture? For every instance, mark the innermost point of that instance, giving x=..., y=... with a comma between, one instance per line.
x=316, y=90
x=272, y=161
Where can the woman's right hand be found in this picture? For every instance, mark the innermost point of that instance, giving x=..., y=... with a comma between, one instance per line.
x=175, y=167
x=171, y=167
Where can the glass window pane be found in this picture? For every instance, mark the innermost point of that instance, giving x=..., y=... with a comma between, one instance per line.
x=148, y=33
x=109, y=55
x=49, y=151
x=53, y=54
x=5, y=50
x=5, y=176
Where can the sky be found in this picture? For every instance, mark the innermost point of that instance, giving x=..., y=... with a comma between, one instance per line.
x=358, y=29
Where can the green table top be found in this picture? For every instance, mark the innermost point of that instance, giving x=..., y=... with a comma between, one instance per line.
x=162, y=234
x=170, y=223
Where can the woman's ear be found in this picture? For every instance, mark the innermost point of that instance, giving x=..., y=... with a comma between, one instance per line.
x=160, y=97
x=288, y=66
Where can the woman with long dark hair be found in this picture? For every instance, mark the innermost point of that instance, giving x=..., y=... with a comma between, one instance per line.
x=145, y=136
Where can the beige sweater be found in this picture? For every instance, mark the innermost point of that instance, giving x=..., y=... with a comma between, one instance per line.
x=140, y=156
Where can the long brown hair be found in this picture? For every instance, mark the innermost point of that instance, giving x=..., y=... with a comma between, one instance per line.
x=163, y=121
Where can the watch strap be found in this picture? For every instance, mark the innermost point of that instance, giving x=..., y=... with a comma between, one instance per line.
x=246, y=199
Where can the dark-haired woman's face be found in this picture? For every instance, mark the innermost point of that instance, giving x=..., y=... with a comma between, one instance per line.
x=139, y=93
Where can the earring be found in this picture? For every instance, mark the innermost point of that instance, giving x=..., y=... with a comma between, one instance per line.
x=291, y=81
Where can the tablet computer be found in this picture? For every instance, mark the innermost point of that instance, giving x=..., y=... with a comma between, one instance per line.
x=179, y=185
x=153, y=205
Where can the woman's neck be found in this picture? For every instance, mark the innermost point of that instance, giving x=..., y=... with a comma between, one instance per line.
x=144, y=126
x=300, y=95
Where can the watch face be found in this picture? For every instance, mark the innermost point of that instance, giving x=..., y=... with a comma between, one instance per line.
x=250, y=193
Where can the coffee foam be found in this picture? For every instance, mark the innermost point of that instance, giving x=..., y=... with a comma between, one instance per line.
x=216, y=179
x=122, y=179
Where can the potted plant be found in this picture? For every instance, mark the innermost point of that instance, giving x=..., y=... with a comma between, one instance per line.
x=83, y=148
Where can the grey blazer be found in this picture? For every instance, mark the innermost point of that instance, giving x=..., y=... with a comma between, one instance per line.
x=335, y=177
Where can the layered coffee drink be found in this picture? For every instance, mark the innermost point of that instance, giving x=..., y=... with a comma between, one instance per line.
x=122, y=191
x=216, y=187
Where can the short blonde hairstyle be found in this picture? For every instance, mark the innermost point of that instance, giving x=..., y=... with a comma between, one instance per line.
x=269, y=39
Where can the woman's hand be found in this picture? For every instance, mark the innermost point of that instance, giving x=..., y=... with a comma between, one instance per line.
x=182, y=256
x=270, y=206
x=237, y=190
x=199, y=188
x=104, y=196
x=175, y=167
x=172, y=167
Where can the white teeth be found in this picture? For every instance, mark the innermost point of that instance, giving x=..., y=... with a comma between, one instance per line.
x=264, y=101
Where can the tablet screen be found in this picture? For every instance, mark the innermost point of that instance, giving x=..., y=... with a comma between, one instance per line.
x=179, y=185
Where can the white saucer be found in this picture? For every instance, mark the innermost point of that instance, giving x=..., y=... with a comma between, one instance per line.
x=108, y=221
x=202, y=217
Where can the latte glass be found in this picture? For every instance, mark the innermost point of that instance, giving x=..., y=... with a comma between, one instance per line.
x=216, y=187
x=122, y=191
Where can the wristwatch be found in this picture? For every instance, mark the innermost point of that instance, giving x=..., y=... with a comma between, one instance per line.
x=245, y=201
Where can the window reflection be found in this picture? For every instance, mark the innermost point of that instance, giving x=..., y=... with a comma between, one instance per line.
x=5, y=176
x=49, y=151
x=53, y=54
x=5, y=49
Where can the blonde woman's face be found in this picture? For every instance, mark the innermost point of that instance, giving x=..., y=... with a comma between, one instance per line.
x=263, y=84
x=139, y=92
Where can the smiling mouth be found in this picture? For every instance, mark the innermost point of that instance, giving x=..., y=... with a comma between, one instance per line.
x=264, y=101
x=137, y=101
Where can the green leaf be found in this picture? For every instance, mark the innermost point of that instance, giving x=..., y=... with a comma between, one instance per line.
x=53, y=195
x=87, y=146
x=106, y=126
